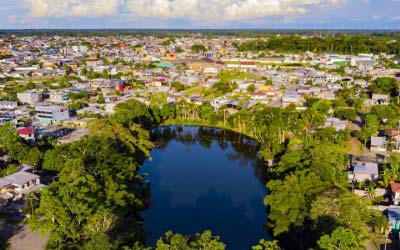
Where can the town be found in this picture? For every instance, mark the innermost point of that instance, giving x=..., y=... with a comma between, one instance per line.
x=54, y=86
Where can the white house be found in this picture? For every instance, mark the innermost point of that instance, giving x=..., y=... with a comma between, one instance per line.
x=30, y=96
x=395, y=188
x=291, y=99
x=8, y=105
x=378, y=144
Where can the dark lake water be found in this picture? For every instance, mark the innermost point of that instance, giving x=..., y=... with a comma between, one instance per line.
x=204, y=178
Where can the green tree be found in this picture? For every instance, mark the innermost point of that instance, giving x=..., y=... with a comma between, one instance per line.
x=206, y=111
x=198, y=48
x=196, y=242
x=157, y=100
x=290, y=200
x=266, y=245
x=251, y=88
x=341, y=239
x=385, y=85
x=95, y=194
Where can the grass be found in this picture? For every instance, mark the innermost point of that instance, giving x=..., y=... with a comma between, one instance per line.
x=197, y=90
x=353, y=147
x=228, y=76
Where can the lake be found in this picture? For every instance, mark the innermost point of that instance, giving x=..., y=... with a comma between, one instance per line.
x=205, y=179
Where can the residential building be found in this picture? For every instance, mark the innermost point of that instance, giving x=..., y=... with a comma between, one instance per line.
x=51, y=114
x=15, y=186
x=26, y=133
x=59, y=96
x=362, y=171
x=378, y=143
x=395, y=192
x=8, y=105
x=394, y=218
x=291, y=99
x=30, y=96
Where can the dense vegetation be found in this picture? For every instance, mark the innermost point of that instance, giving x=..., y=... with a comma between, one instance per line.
x=97, y=191
x=339, y=44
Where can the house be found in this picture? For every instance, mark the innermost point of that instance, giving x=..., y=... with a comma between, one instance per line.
x=92, y=62
x=58, y=96
x=15, y=186
x=27, y=133
x=51, y=114
x=380, y=99
x=394, y=218
x=8, y=105
x=291, y=99
x=378, y=144
x=390, y=133
x=336, y=123
x=361, y=171
x=395, y=191
x=30, y=96
x=259, y=95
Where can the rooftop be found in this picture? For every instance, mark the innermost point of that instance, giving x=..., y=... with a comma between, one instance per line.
x=21, y=178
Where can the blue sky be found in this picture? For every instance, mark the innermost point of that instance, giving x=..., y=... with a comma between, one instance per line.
x=337, y=14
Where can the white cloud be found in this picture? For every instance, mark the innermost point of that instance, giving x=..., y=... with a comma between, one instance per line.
x=222, y=9
x=170, y=9
x=64, y=8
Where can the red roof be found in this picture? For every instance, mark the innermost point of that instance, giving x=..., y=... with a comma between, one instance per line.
x=25, y=131
x=247, y=63
x=395, y=186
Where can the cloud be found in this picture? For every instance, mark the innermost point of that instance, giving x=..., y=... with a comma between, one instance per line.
x=222, y=9
x=175, y=9
x=77, y=8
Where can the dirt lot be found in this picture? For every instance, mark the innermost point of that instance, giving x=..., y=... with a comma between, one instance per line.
x=26, y=240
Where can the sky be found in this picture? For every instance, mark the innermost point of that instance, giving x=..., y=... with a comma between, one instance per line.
x=193, y=14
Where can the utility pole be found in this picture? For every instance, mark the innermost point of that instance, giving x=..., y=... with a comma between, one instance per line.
x=398, y=133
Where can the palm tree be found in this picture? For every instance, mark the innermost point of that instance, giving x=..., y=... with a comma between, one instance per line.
x=370, y=189
x=387, y=176
x=394, y=168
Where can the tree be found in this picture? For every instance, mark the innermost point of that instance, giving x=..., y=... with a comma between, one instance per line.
x=96, y=192
x=266, y=245
x=332, y=209
x=196, y=242
x=341, y=239
x=251, y=88
x=99, y=241
x=371, y=189
x=268, y=82
x=178, y=86
x=384, y=85
x=290, y=200
x=371, y=121
x=198, y=48
x=33, y=157
x=157, y=100
x=206, y=111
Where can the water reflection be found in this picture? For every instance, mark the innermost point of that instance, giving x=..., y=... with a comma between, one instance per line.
x=204, y=178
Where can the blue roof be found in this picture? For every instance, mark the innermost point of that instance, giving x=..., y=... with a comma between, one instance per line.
x=394, y=215
x=76, y=89
x=117, y=81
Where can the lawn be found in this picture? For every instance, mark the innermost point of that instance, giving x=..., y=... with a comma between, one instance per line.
x=228, y=76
